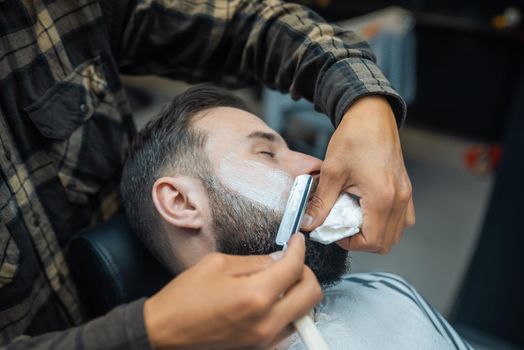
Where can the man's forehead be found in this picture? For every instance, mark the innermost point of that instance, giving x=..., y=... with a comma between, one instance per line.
x=234, y=125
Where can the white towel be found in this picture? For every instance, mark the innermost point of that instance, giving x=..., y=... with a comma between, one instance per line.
x=344, y=220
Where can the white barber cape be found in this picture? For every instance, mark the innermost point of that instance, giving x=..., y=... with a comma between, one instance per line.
x=379, y=311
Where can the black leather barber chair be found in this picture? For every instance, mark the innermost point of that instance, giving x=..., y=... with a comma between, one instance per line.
x=111, y=267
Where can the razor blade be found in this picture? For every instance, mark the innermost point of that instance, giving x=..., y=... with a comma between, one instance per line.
x=295, y=208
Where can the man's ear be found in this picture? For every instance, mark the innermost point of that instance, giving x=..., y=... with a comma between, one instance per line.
x=180, y=201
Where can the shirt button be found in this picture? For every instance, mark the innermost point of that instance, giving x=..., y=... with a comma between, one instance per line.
x=7, y=153
x=36, y=219
x=83, y=108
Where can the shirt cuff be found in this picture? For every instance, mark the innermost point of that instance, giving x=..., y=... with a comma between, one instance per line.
x=349, y=79
x=135, y=330
x=122, y=328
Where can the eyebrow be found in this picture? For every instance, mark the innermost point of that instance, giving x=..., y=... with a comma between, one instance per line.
x=272, y=137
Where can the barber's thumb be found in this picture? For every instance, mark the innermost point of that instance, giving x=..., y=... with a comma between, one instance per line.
x=319, y=206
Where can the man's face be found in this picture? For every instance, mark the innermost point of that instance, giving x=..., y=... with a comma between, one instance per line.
x=253, y=171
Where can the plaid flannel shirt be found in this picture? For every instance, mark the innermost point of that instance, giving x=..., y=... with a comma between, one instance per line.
x=65, y=121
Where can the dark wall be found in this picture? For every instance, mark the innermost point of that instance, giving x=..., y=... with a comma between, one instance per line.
x=467, y=71
x=467, y=80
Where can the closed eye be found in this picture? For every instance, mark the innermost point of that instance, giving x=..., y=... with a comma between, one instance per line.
x=267, y=153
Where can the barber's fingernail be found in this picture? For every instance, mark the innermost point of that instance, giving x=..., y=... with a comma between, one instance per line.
x=306, y=220
x=277, y=255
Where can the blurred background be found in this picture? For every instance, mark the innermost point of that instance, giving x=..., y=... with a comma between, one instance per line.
x=458, y=64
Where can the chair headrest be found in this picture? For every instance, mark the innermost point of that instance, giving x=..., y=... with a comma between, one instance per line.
x=111, y=266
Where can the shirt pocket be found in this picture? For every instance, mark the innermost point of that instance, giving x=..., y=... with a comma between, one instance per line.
x=82, y=129
x=9, y=252
x=9, y=255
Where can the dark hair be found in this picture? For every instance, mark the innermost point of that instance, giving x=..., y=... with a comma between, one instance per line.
x=168, y=144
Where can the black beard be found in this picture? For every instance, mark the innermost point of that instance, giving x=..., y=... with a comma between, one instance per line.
x=243, y=227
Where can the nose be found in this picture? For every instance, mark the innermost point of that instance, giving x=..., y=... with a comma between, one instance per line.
x=300, y=163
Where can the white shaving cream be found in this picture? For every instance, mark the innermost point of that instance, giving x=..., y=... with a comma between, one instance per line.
x=255, y=181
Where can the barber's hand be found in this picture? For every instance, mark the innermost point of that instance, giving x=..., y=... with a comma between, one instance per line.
x=229, y=302
x=364, y=158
